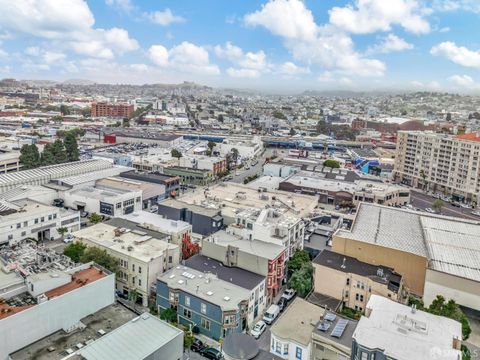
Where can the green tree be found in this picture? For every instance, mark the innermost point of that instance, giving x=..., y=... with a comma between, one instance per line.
x=64, y=110
x=59, y=153
x=169, y=315
x=279, y=115
x=176, y=153
x=235, y=155
x=126, y=123
x=71, y=147
x=74, y=251
x=301, y=280
x=292, y=131
x=95, y=218
x=450, y=309
x=48, y=157
x=101, y=257
x=86, y=111
x=29, y=156
x=298, y=259
x=331, y=164
x=62, y=231
x=437, y=204
x=211, y=144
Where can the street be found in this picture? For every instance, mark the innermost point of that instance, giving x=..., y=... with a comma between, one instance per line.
x=423, y=201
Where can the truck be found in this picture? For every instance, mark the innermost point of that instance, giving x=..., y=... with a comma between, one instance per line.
x=271, y=314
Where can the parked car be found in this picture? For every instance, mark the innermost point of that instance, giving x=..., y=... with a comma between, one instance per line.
x=282, y=304
x=271, y=314
x=68, y=239
x=211, y=353
x=197, y=345
x=84, y=214
x=258, y=329
x=288, y=294
x=476, y=213
x=430, y=210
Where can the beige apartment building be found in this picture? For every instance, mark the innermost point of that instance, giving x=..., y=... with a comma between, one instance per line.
x=352, y=282
x=440, y=163
x=141, y=257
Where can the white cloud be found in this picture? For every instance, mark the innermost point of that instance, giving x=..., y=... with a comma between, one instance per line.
x=368, y=16
x=51, y=57
x=390, y=43
x=123, y=5
x=444, y=29
x=457, y=54
x=429, y=86
x=164, y=18
x=66, y=23
x=32, y=51
x=465, y=82
x=326, y=46
x=250, y=60
x=456, y=5
x=120, y=40
x=186, y=57
x=289, y=68
x=243, y=73
x=289, y=19
x=159, y=55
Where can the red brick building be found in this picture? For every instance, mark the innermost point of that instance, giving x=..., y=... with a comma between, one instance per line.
x=116, y=110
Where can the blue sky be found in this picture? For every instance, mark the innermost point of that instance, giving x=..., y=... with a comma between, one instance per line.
x=272, y=45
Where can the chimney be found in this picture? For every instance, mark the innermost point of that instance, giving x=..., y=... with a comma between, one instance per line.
x=414, y=308
x=457, y=343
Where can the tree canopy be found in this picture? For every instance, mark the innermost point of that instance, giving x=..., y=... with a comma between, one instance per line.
x=29, y=156
x=176, y=153
x=74, y=251
x=331, y=164
x=298, y=259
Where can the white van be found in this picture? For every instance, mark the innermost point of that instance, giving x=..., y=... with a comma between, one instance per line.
x=271, y=314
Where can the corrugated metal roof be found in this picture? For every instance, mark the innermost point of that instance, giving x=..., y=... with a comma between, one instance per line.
x=134, y=340
x=451, y=245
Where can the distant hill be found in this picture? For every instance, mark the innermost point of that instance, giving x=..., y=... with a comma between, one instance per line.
x=78, y=82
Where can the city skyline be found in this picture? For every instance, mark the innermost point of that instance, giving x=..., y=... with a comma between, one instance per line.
x=282, y=46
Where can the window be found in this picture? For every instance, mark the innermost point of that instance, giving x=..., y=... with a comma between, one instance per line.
x=25, y=223
x=364, y=356
x=298, y=353
x=24, y=233
x=128, y=202
x=138, y=199
x=203, y=308
x=42, y=219
x=285, y=349
x=205, y=324
x=54, y=216
x=187, y=300
x=118, y=206
x=170, y=259
x=49, y=217
x=348, y=281
x=139, y=282
x=10, y=237
x=19, y=225
x=36, y=221
x=133, y=267
x=187, y=313
x=139, y=269
x=278, y=347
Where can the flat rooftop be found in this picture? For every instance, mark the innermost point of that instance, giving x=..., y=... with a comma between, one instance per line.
x=133, y=243
x=79, y=279
x=54, y=346
x=380, y=274
x=450, y=244
x=146, y=218
x=298, y=321
x=256, y=247
x=205, y=286
x=230, y=196
x=243, y=278
x=404, y=334
x=136, y=339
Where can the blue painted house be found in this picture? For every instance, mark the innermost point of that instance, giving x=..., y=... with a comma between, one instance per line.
x=216, y=307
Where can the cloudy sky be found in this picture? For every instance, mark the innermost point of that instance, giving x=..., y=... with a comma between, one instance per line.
x=281, y=45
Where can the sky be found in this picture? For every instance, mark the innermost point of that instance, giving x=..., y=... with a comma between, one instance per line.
x=271, y=45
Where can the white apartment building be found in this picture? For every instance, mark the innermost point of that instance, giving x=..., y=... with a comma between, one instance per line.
x=440, y=163
x=270, y=225
x=27, y=218
x=142, y=258
x=9, y=162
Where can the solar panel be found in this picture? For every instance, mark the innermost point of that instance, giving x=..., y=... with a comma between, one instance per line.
x=324, y=326
x=339, y=328
x=330, y=317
